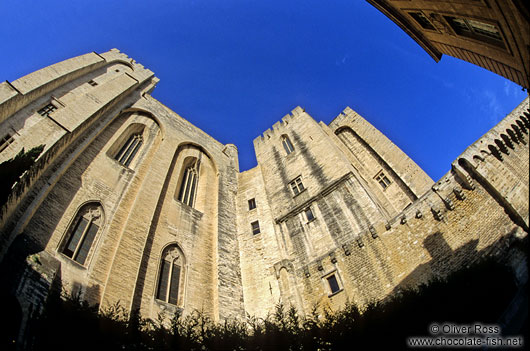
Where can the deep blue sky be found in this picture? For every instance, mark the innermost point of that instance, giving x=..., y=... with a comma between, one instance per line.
x=234, y=68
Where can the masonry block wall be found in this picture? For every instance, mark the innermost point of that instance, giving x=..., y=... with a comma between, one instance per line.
x=115, y=158
x=131, y=203
x=374, y=238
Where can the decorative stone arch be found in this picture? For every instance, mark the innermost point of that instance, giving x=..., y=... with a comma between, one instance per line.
x=171, y=277
x=83, y=232
x=138, y=133
x=121, y=62
x=150, y=115
x=479, y=158
x=342, y=129
x=197, y=175
x=344, y=133
x=284, y=271
x=283, y=264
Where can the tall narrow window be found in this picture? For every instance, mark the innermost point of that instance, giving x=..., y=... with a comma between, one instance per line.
x=333, y=284
x=382, y=179
x=297, y=186
x=46, y=110
x=251, y=204
x=169, y=280
x=287, y=145
x=188, y=186
x=129, y=149
x=81, y=235
x=255, y=227
x=309, y=214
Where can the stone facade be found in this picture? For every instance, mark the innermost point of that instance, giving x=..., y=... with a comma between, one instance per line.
x=493, y=34
x=130, y=203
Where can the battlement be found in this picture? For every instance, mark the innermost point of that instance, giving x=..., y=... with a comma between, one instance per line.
x=17, y=94
x=279, y=127
x=499, y=162
x=115, y=55
x=347, y=113
x=505, y=135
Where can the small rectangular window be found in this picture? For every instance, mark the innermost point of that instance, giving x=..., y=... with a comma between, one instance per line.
x=255, y=227
x=382, y=179
x=251, y=204
x=333, y=284
x=422, y=20
x=309, y=214
x=6, y=141
x=297, y=186
x=46, y=110
x=477, y=30
x=91, y=82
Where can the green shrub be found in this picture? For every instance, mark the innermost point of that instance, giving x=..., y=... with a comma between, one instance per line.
x=480, y=293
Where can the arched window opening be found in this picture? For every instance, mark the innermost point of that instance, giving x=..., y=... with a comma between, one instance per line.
x=522, y=126
x=129, y=149
x=495, y=152
x=171, y=275
x=525, y=121
x=512, y=135
x=287, y=145
x=188, y=186
x=502, y=147
x=507, y=141
x=82, y=233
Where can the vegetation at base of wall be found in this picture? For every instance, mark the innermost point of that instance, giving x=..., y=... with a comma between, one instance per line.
x=477, y=294
x=11, y=170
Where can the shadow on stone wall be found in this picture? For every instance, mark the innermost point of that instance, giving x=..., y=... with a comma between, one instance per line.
x=43, y=224
x=445, y=260
x=448, y=262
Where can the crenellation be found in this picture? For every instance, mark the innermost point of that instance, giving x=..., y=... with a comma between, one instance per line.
x=285, y=119
x=297, y=111
x=277, y=126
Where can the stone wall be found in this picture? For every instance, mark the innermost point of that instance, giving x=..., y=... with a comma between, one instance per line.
x=98, y=107
x=332, y=213
x=374, y=241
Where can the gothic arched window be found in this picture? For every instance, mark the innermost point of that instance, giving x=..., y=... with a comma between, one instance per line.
x=171, y=275
x=188, y=185
x=287, y=145
x=129, y=149
x=81, y=234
